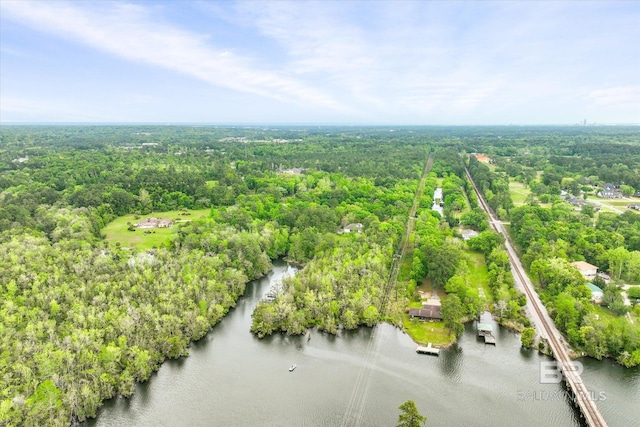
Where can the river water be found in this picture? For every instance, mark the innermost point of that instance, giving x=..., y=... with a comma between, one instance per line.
x=359, y=378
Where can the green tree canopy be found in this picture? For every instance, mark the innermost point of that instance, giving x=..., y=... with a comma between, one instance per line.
x=410, y=417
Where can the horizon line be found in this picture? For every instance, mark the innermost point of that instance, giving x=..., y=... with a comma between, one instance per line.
x=292, y=124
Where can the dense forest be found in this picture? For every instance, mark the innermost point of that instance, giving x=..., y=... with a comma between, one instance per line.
x=83, y=319
x=83, y=316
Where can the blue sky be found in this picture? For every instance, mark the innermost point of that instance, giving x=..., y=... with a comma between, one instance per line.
x=374, y=62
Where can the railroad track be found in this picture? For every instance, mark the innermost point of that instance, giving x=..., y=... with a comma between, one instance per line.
x=582, y=398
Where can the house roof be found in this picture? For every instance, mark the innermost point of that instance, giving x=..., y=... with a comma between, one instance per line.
x=356, y=226
x=593, y=288
x=427, y=311
x=485, y=327
x=582, y=266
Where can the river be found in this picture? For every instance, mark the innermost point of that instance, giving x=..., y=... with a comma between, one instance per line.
x=231, y=378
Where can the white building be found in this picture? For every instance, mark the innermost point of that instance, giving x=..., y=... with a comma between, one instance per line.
x=587, y=270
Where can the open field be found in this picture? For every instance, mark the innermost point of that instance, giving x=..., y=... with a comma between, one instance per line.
x=478, y=273
x=614, y=205
x=117, y=230
x=607, y=316
x=518, y=192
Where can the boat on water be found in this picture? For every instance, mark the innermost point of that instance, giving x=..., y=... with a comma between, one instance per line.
x=292, y=367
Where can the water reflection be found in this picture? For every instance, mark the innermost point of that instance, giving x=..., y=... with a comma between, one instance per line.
x=232, y=378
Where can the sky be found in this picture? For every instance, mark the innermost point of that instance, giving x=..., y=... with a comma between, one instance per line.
x=326, y=62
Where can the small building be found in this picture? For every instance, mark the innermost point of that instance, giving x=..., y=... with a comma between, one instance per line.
x=596, y=293
x=587, y=270
x=469, y=234
x=485, y=324
x=154, y=223
x=427, y=312
x=437, y=196
x=483, y=158
x=574, y=201
x=438, y=201
x=356, y=227
x=485, y=328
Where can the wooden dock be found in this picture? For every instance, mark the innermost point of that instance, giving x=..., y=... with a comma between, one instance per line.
x=485, y=328
x=429, y=349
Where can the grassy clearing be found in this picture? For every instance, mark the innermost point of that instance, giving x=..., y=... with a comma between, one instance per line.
x=478, y=273
x=619, y=203
x=606, y=205
x=607, y=316
x=518, y=192
x=117, y=230
x=424, y=332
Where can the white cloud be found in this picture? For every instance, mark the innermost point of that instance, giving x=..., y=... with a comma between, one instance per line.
x=129, y=31
x=369, y=61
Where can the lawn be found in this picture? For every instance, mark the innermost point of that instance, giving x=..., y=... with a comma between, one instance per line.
x=478, y=273
x=117, y=230
x=607, y=205
x=518, y=192
x=607, y=316
x=423, y=332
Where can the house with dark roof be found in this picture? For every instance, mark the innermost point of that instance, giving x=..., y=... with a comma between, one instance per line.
x=427, y=312
x=574, y=201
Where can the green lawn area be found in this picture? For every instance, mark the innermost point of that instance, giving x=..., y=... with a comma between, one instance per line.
x=424, y=332
x=607, y=316
x=518, y=192
x=478, y=273
x=607, y=205
x=116, y=231
x=617, y=202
